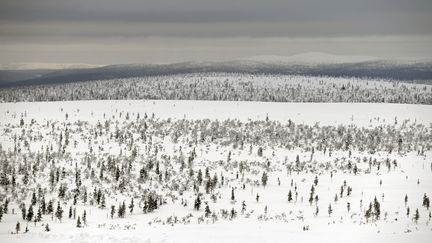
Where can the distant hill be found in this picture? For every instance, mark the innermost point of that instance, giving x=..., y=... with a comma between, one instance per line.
x=315, y=64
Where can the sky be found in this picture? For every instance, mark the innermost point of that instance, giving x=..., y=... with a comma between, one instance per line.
x=163, y=31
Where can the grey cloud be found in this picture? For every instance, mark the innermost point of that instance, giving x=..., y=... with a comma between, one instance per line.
x=221, y=17
x=49, y=30
x=46, y=30
x=206, y=10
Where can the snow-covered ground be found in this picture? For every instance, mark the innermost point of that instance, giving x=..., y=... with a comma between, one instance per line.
x=362, y=114
x=271, y=218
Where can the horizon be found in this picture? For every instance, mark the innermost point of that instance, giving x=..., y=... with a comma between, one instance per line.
x=298, y=58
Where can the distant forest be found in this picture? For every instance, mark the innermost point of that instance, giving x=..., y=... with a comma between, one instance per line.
x=229, y=87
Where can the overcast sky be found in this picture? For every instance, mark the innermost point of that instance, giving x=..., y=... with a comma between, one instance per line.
x=143, y=31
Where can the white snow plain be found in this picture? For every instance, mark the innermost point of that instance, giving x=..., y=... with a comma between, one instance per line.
x=361, y=114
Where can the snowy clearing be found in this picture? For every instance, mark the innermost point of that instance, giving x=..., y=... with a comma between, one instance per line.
x=362, y=114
